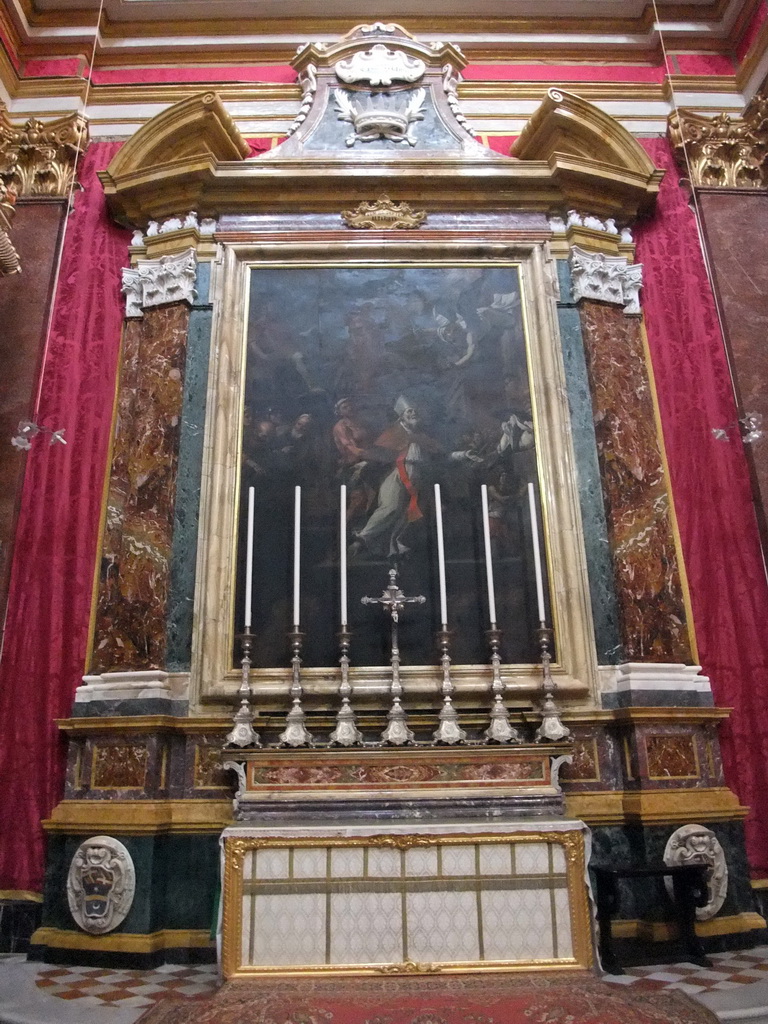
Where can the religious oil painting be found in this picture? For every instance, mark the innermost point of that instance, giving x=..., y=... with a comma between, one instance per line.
x=387, y=379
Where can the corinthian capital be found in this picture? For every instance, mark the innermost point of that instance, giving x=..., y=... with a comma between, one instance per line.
x=606, y=278
x=722, y=151
x=157, y=282
x=39, y=159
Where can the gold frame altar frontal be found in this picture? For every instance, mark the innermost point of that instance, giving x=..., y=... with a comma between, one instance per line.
x=213, y=679
x=238, y=853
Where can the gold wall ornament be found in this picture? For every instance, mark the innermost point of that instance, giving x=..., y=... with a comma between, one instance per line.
x=722, y=151
x=9, y=258
x=38, y=159
x=383, y=215
x=409, y=967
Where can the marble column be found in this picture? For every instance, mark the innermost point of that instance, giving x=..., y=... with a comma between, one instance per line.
x=132, y=611
x=635, y=494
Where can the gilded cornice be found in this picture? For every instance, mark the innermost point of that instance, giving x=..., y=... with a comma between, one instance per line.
x=38, y=159
x=722, y=151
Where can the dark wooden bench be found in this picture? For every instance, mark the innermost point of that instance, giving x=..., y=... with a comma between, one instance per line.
x=689, y=890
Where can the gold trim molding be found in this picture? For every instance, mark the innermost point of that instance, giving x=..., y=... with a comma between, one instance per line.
x=664, y=931
x=39, y=159
x=655, y=806
x=213, y=679
x=139, y=816
x=722, y=151
x=124, y=942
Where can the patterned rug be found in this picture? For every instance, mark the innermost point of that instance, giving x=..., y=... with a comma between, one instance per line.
x=542, y=998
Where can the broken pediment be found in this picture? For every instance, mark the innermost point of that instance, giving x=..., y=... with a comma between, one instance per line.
x=379, y=114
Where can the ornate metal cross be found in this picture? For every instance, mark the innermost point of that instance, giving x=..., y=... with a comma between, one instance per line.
x=394, y=601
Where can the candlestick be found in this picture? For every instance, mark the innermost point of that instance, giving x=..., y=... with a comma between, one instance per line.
x=551, y=727
x=296, y=556
x=488, y=561
x=441, y=558
x=242, y=733
x=448, y=731
x=536, y=553
x=499, y=730
x=295, y=733
x=343, y=558
x=249, y=562
x=346, y=733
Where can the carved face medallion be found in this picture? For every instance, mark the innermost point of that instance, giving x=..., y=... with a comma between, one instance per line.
x=101, y=884
x=695, y=844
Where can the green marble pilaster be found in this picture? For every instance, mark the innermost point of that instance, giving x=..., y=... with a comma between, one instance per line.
x=186, y=512
x=599, y=565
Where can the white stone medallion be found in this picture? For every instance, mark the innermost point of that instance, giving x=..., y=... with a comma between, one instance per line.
x=101, y=884
x=695, y=844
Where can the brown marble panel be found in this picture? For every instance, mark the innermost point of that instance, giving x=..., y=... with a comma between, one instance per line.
x=635, y=493
x=585, y=766
x=671, y=757
x=119, y=766
x=24, y=304
x=735, y=228
x=131, y=614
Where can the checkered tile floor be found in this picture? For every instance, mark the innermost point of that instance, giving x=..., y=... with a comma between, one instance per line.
x=729, y=970
x=98, y=987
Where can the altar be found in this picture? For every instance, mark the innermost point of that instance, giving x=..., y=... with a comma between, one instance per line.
x=385, y=588
x=405, y=898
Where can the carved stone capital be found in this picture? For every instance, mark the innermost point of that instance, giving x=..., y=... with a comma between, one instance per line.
x=160, y=281
x=722, y=151
x=39, y=159
x=606, y=278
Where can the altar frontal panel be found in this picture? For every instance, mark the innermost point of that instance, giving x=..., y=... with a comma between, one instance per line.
x=416, y=903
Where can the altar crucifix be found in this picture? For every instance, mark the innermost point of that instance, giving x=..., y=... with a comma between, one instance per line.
x=394, y=601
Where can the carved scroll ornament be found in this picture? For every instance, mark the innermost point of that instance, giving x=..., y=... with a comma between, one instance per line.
x=383, y=215
x=722, y=151
x=39, y=159
x=9, y=258
x=380, y=67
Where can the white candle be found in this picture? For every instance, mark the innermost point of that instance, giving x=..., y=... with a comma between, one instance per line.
x=441, y=558
x=296, y=555
x=536, y=553
x=488, y=562
x=343, y=543
x=249, y=562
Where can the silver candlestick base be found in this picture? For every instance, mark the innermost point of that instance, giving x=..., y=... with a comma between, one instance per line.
x=242, y=733
x=346, y=733
x=448, y=731
x=295, y=733
x=551, y=727
x=500, y=729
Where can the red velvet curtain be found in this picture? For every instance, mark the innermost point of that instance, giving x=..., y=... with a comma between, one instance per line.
x=712, y=492
x=51, y=579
